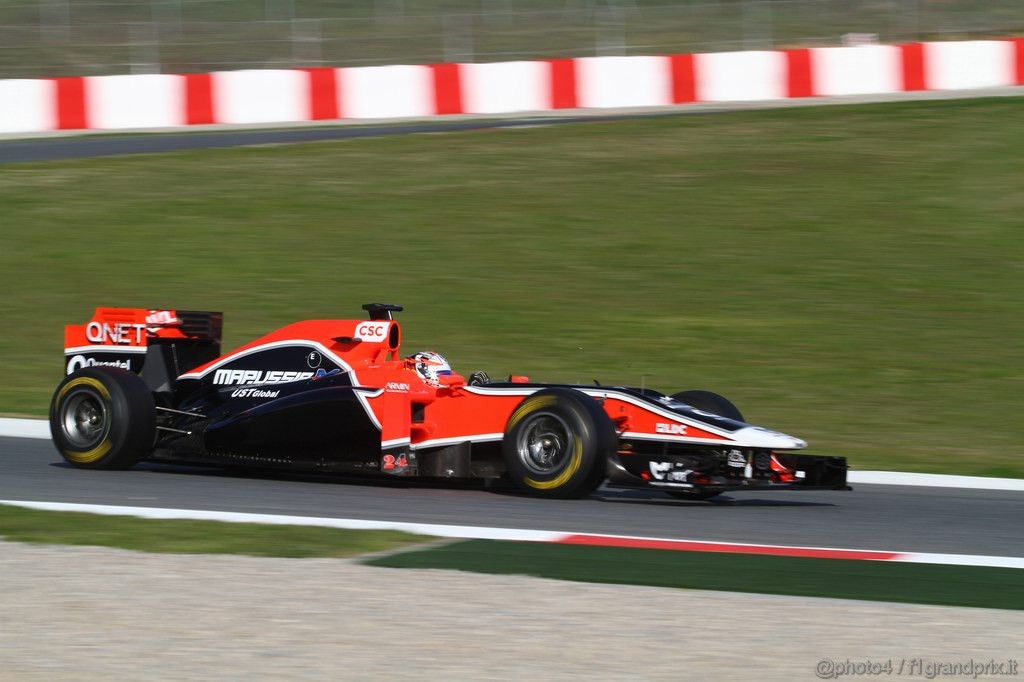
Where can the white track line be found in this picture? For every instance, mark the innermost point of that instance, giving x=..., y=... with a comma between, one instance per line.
x=467, y=532
x=484, y=533
x=935, y=480
x=39, y=428
x=24, y=428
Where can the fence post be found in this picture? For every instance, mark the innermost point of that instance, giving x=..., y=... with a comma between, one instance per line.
x=307, y=39
x=145, y=48
x=386, y=12
x=757, y=28
x=279, y=9
x=54, y=21
x=166, y=13
x=610, y=30
x=458, y=37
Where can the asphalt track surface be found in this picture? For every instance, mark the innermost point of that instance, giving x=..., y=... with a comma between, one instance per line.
x=91, y=146
x=16, y=148
x=885, y=517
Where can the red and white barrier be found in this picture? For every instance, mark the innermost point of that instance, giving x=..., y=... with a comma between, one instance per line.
x=404, y=91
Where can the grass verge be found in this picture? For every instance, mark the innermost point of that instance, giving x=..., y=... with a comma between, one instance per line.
x=997, y=588
x=847, y=274
x=194, y=537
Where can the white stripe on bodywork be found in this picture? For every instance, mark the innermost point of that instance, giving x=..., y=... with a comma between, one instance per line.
x=105, y=349
x=483, y=390
x=455, y=440
x=664, y=437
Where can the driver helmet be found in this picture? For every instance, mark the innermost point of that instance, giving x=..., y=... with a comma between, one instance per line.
x=430, y=366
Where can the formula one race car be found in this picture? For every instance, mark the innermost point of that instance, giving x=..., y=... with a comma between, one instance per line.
x=339, y=396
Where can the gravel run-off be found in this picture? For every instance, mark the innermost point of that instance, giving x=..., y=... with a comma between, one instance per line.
x=82, y=613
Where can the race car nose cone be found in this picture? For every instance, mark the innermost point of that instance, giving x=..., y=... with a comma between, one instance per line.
x=757, y=437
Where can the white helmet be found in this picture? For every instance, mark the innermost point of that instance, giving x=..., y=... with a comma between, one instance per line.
x=429, y=366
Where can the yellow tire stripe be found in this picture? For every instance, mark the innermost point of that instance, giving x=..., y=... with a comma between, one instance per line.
x=85, y=381
x=104, y=447
x=567, y=473
x=91, y=455
x=529, y=405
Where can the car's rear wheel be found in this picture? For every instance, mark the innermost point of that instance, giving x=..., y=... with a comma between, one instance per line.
x=103, y=418
x=706, y=401
x=557, y=444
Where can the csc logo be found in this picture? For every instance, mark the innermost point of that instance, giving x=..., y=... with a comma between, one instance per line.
x=372, y=331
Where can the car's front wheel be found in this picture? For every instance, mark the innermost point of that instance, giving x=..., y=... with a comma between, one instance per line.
x=103, y=418
x=557, y=444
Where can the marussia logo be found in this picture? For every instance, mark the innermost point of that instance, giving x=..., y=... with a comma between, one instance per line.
x=672, y=429
x=257, y=376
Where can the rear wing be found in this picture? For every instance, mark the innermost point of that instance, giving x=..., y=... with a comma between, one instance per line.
x=170, y=342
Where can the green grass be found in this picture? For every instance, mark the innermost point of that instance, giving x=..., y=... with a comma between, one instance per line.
x=997, y=588
x=851, y=275
x=194, y=537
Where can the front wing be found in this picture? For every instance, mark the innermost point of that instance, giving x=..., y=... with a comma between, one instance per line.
x=736, y=470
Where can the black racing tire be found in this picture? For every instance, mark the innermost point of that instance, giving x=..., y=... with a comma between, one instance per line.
x=103, y=418
x=707, y=401
x=557, y=443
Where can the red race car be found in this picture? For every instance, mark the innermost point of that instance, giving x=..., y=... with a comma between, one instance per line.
x=340, y=396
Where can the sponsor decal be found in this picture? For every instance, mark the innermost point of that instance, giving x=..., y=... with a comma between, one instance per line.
x=679, y=475
x=396, y=387
x=120, y=333
x=314, y=359
x=257, y=376
x=659, y=469
x=672, y=429
x=321, y=373
x=675, y=472
x=737, y=459
x=253, y=393
x=393, y=463
x=161, y=317
x=373, y=331
x=79, y=361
